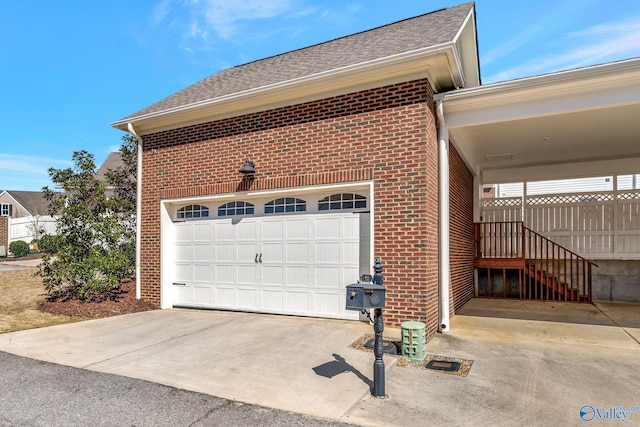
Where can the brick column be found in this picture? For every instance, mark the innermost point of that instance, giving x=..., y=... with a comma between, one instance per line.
x=4, y=232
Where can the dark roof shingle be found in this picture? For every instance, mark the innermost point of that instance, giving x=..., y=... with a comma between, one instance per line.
x=32, y=201
x=113, y=161
x=423, y=31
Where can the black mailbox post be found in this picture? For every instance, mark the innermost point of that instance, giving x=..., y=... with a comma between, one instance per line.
x=366, y=296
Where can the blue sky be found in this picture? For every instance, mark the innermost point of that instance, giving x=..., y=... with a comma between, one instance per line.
x=69, y=68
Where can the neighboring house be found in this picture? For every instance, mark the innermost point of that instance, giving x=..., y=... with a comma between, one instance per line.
x=20, y=213
x=113, y=161
x=375, y=144
x=19, y=204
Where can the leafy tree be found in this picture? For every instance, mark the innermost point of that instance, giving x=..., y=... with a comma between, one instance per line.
x=96, y=243
x=49, y=243
x=123, y=178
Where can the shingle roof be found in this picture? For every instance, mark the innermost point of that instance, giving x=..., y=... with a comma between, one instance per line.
x=32, y=201
x=113, y=161
x=423, y=31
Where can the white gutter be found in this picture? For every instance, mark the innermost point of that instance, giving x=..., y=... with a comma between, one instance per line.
x=574, y=77
x=444, y=274
x=138, y=206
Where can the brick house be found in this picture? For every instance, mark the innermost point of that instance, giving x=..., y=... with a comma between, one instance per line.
x=353, y=159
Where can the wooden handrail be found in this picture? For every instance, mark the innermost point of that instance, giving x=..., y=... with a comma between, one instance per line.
x=553, y=271
x=498, y=239
x=527, y=229
x=565, y=274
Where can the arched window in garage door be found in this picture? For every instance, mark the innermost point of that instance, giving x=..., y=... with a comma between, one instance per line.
x=193, y=211
x=342, y=201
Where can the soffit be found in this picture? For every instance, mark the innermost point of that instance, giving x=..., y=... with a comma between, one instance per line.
x=572, y=118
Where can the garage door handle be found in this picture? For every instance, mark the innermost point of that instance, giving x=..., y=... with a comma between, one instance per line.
x=256, y=260
x=260, y=258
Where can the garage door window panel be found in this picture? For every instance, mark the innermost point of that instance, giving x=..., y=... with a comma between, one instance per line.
x=236, y=208
x=193, y=211
x=285, y=205
x=342, y=201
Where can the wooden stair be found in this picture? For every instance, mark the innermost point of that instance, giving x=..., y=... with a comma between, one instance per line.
x=552, y=283
x=546, y=270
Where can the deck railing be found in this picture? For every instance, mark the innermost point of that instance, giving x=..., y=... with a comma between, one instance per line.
x=551, y=271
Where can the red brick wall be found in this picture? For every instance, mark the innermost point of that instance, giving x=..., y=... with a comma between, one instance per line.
x=4, y=232
x=461, y=231
x=387, y=134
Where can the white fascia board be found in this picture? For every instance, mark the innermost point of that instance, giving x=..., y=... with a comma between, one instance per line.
x=392, y=69
x=455, y=67
x=466, y=40
x=612, y=69
x=614, y=84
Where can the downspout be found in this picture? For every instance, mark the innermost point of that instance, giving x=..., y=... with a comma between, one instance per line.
x=138, y=206
x=444, y=275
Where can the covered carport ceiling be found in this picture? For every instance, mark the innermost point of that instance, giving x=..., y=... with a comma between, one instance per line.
x=562, y=125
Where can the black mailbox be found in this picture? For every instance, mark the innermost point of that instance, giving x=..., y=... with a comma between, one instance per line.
x=361, y=296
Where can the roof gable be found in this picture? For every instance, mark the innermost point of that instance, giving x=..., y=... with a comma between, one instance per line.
x=31, y=201
x=413, y=35
x=113, y=161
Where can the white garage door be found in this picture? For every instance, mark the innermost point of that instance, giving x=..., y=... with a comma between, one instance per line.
x=283, y=264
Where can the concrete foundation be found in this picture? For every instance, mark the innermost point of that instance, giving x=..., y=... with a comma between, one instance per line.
x=616, y=280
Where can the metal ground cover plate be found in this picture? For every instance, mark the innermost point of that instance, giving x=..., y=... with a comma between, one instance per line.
x=438, y=363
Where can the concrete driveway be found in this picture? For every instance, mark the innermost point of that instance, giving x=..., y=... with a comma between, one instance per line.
x=259, y=359
x=533, y=363
x=18, y=264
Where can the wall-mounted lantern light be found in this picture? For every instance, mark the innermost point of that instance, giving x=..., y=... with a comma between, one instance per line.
x=249, y=168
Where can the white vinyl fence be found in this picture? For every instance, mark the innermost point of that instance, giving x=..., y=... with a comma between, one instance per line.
x=22, y=228
x=603, y=224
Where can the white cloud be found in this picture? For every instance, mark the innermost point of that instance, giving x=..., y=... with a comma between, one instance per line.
x=223, y=16
x=561, y=14
x=594, y=45
x=29, y=164
x=160, y=12
x=18, y=172
x=202, y=26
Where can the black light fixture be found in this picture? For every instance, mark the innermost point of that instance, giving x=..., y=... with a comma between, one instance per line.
x=249, y=168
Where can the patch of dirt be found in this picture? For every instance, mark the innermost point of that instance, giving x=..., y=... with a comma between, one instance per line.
x=124, y=303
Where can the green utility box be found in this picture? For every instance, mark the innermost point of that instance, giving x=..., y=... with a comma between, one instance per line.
x=414, y=341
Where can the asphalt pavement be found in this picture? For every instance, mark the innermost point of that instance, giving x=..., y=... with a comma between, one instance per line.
x=36, y=393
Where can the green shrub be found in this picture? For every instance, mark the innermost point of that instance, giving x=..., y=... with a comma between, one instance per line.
x=49, y=243
x=96, y=247
x=19, y=248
